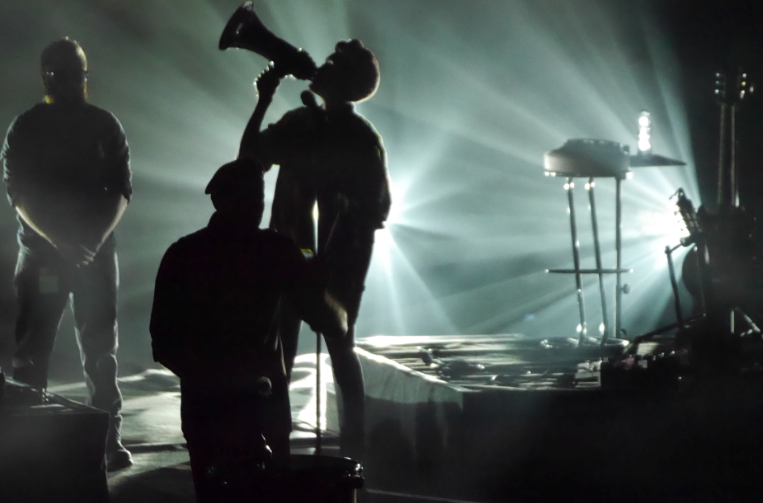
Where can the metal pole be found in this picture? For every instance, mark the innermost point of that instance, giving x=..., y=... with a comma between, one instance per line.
x=674, y=285
x=318, y=336
x=733, y=175
x=618, y=254
x=576, y=258
x=722, y=157
x=597, y=251
x=318, y=438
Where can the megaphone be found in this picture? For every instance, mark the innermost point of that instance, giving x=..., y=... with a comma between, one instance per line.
x=245, y=31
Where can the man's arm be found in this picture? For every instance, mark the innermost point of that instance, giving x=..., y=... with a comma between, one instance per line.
x=103, y=214
x=75, y=224
x=76, y=229
x=250, y=146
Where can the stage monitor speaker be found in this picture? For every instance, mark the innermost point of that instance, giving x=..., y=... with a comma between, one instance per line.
x=51, y=449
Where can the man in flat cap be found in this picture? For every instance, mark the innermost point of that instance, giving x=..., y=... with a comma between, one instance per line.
x=214, y=324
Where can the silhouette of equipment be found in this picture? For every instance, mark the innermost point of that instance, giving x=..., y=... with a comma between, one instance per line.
x=51, y=448
x=302, y=478
x=245, y=31
x=722, y=271
x=591, y=159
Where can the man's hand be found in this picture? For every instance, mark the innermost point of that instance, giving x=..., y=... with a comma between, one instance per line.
x=267, y=82
x=75, y=254
x=75, y=233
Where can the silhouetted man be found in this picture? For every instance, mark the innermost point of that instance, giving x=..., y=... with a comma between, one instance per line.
x=214, y=324
x=67, y=171
x=334, y=156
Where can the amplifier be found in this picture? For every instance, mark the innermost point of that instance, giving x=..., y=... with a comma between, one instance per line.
x=51, y=448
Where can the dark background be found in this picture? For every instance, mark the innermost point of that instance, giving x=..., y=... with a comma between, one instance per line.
x=473, y=93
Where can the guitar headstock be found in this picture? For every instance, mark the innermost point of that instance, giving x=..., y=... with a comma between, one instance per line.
x=733, y=94
x=744, y=86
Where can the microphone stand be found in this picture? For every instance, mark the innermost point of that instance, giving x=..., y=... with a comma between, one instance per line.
x=319, y=336
x=318, y=438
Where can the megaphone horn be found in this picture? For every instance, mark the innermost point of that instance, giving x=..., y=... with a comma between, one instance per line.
x=245, y=31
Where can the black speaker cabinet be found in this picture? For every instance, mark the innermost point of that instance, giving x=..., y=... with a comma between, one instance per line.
x=51, y=449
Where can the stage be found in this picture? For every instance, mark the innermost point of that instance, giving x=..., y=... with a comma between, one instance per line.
x=487, y=418
x=508, y=417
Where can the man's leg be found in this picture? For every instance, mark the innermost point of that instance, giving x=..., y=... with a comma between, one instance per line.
x=41, y=296
x=351, y=255
x=292, y=216
x=94, y=302
x=348, y=376
x=289, y=326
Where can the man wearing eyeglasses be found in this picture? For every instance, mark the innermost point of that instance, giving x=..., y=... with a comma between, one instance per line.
x=67, y=172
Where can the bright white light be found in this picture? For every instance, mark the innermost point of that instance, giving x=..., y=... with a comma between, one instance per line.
x=398, y=190
x=644, y=132
x=659, y=224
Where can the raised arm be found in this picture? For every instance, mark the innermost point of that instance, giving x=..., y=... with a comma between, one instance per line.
x=267, y=83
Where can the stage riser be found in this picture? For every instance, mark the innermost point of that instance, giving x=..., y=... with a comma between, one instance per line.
x=598, y=445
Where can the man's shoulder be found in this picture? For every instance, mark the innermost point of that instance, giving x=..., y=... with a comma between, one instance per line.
x=272, y=237
x=191, y=239
x=187, y=244
x=269, y=246
x=206, y=235
x=29, y=116
x=360, y=128
x=298, y=118
x=299, y=113
x=101, y=114
x=44, y=111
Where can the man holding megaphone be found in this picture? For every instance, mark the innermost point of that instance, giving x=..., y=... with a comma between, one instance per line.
x=327, y=154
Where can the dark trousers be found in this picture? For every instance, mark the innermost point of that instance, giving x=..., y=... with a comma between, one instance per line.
x=44, y=284
x=227, y=433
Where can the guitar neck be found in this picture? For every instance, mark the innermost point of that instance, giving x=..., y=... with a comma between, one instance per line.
x=728, y=172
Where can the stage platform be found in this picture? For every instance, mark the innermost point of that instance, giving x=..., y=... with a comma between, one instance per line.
x=514, y=418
